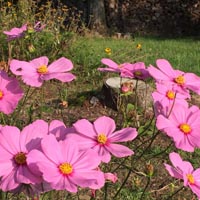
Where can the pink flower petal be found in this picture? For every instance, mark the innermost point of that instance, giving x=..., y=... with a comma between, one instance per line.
x=9, y=139
x=104, y=125
x=60, y=65
x=31, y=135
x=37, y=62
x=165, y=67
x=110, y=63
x=9, y=182
x=63, y=77
x=119, y=150
x=173, y=172
x=123, y=135
x=54, y=154
x=84, y=127
x=103, y=153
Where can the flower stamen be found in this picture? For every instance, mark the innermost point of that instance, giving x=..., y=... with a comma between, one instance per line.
x=138, y=73
x=42, y=69
x=1, y=94
x=185, y=128
x=20, y=158
x=180, y=80
x=170, y=94
x=102, y=139
x=65, y=168
x=190, y=178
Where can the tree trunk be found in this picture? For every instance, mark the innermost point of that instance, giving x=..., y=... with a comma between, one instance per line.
x=98, y=16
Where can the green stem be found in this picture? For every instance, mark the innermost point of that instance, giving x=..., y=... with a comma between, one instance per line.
x=170, y=197
x=122, y=185
x=148, y=182
x=15, y=115
x=3, y=119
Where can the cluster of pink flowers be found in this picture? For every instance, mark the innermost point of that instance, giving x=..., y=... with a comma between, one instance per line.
x=27, y=156
x=174, y=116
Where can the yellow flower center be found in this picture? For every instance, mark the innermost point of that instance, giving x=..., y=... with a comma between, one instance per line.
x=170, y=94
x=42, y=69
x=20, y=158
x=180, y=80
x=102, y=139
x=138, y=73
x=190, y=178
x=65, y=168
x=185, y=128
x=1, y=94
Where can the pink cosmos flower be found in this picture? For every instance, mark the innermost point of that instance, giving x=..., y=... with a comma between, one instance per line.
x=14, y=150
x=100, y=136
x=182, y=126
x=182, y=81
x=15, y=33
x=64, y=167
x=138, y=71
x=167, y=96
x=10, y=93
x=36, y=71
x=122, y=69
x=184, y=170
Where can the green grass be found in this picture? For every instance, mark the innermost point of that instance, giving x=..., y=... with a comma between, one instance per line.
x=183, y=54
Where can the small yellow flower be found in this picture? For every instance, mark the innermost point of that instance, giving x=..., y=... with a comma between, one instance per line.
x=108, y=51
x=9, y=4
x=139, y=46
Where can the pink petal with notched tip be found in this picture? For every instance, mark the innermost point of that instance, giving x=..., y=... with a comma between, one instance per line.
x=9, y=137
x=84, y=127
x=54, y=154
x=38, y=62
x=104, y=125
x=60, y=65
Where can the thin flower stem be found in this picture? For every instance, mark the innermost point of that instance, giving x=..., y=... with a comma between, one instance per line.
x=147, y=184
x=172, y=106
x=170, y=197
x=15, y=116
x=122, y=185
x=3, y=119
x=105, y=191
